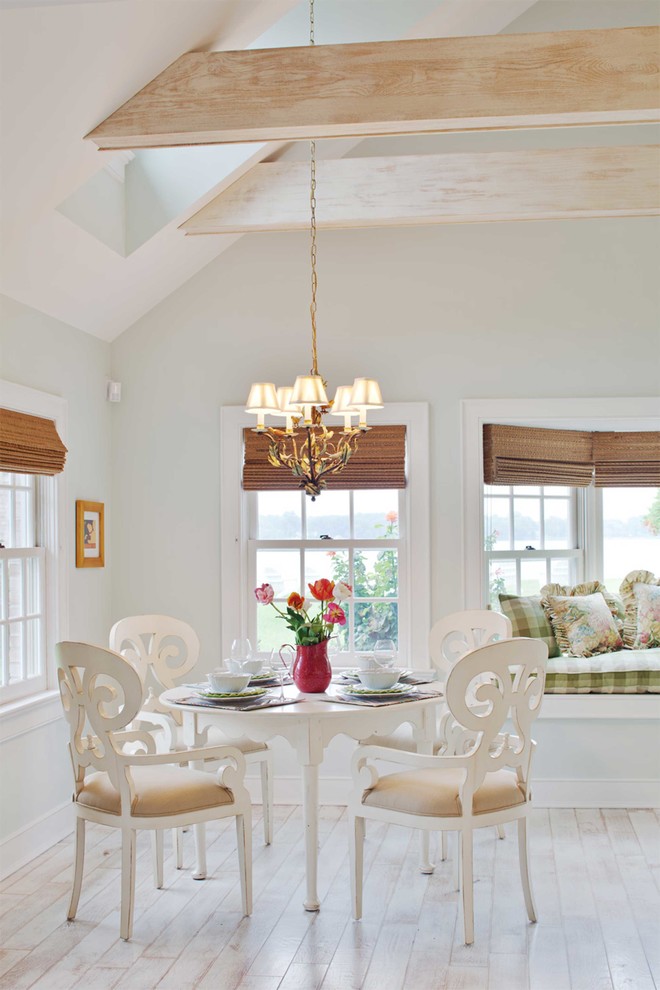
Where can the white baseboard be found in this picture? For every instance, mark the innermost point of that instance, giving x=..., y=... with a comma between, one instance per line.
x=596, y=793
x=30, y=841
x=548, y=793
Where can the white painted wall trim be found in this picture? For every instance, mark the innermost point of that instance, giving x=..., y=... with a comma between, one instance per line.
x=19, y=717
x=576, y=414
x=595, y=793
x=234, y=526
x=601, y=706
x=35, y=838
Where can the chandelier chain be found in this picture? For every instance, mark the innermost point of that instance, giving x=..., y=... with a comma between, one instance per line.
x=312, y=224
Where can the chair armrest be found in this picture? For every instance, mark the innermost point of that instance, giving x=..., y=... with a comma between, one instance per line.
x=231, y=777
x=184, y=756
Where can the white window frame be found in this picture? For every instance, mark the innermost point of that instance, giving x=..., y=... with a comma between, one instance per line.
x=635, y=413
x=575, y=554
x=399, y=543
x=235, y=530
x=52, y=527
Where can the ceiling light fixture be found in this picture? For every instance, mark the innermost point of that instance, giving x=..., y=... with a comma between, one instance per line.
x=306, y=446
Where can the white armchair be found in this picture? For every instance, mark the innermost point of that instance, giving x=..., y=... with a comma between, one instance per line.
x=488, y=784
x=101, y=695
x=165, y=651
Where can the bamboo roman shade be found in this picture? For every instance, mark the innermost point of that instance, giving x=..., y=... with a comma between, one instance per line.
x=379, y=462
x=626, y=460
x=521, y=455
x=29, y=444
x=525, y=455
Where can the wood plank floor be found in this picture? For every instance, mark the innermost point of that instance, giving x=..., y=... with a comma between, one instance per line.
x=596, y=876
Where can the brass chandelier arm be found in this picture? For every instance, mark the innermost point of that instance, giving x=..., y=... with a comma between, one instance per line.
x=319, y=455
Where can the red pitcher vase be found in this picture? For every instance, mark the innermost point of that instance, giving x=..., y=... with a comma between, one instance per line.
x=311, y=669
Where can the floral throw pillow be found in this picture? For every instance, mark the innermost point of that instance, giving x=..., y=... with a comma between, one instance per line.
x=615, y=602
x=640, y=591
x=583, y=624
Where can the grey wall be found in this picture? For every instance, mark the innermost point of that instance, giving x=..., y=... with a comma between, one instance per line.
x=44, y=354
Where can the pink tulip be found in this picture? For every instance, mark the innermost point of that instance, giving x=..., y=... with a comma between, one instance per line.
x=335, y=615
x=264, y=594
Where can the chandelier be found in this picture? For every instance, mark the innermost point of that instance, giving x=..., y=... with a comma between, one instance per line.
x=306, y=446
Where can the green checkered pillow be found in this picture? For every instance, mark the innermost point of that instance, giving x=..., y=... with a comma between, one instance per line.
x=528, y=618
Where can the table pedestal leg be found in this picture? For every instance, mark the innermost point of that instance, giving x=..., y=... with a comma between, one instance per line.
x=310, y=779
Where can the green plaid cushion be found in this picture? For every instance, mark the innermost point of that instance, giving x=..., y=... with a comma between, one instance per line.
x=625, y=672
x=529, y=619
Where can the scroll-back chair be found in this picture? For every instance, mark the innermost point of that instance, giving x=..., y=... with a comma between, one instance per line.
x=486, y=779
x=101, y=695
x=165, y=651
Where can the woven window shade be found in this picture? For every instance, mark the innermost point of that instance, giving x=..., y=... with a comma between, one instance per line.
x=522, y=455
x=626, y=460
x=379, y=462
x=29, y=444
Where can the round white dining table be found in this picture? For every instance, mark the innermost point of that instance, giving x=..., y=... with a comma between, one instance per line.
x=309, y=726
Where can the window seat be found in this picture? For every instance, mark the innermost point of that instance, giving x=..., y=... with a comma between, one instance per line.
x=622, y=672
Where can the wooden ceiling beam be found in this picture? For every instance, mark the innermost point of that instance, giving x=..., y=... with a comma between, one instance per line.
x=449, y=188
x=395, y=87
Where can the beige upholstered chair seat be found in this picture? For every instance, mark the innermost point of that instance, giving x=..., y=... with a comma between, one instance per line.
x=159, y=790
x=217, y=738
x=436, y=792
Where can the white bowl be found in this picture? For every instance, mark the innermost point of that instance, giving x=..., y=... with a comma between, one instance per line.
x=252, y=666
x=222, y=681
x=377, y=679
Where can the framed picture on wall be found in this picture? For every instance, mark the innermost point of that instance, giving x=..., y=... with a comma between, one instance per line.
x=90, y=535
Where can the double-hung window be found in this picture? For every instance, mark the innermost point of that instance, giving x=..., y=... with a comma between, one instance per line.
x=22, y=586
x=352, y=536
x=374, y=539
x=533, y=535
x=32, y=564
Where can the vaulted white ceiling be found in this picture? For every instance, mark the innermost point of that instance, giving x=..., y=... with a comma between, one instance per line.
x=66, y=66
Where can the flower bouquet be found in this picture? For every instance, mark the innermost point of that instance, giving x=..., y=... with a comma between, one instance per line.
x=311, y=668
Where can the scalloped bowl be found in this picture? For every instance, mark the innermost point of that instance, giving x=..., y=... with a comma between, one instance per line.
x=378, y=679
x=222, y=681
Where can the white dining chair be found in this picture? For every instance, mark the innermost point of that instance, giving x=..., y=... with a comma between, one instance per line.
x=450, y=639
x=101, y=695
x=165, y=651
x=485, y=782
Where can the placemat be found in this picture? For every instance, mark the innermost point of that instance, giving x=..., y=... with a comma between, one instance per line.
x=372, y=703
x=249, y=707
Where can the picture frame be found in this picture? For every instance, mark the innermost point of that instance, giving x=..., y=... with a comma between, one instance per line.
x=90, y=534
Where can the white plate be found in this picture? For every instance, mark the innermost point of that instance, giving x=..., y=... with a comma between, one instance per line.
x=248, y=694
x=358, y=691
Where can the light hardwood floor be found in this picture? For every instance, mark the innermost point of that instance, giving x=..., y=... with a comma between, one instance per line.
x=596, y=876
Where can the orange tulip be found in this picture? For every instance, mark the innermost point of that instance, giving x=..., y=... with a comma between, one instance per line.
x=322, y=589
x=295, y=601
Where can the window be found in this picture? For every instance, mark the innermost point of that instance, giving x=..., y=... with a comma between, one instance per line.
x=352, y=536
x=278, y=537
x=33, y=613
x=594, y=512
x=531, y=538
x=630, y=532
x=22, y=586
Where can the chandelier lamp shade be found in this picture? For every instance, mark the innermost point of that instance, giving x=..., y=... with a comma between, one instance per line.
x=307, y=447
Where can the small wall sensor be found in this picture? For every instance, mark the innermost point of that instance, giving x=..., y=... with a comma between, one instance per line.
x=113, y=392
